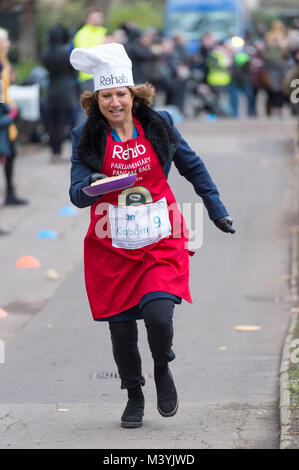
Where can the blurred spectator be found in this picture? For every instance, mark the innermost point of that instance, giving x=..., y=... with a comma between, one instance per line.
x=139, y=51
x=183, y=66
x=180, y=50
x=241, y=83
x=277, y=35
x=11, y=197
x=277, y=64
x=164, y=72
x=118, y=36
x=207, y=45
x=5, y=121
x=256, y=52
x=219, y=61
x=62, y=92
x=260, y=31
x=293, y=36
x=90, y=34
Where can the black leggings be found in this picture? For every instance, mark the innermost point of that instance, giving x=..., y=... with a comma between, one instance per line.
x=9, y=172
x=158, y=315
x=60, y=123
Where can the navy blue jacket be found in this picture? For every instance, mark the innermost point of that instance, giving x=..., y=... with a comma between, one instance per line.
x=185, y=159
x=5, y=121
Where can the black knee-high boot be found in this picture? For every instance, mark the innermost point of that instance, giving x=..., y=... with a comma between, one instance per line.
x=11, y=197
x=167, y=398
x=158, y=316
x=134, y=411
x=124, y=336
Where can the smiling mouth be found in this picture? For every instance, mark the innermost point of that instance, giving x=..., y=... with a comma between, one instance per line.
x=116, y=112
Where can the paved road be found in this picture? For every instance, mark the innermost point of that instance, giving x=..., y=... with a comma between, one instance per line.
x=227, y=380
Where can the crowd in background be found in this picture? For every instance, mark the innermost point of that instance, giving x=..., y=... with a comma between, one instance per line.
x=227, y=68
x=211, y=80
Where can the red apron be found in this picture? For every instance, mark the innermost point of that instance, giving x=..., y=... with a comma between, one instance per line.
x=117, y=278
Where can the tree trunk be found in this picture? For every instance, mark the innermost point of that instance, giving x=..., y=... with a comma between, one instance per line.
x=27, y=38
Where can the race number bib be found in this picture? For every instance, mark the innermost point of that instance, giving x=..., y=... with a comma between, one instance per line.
x=134, y=227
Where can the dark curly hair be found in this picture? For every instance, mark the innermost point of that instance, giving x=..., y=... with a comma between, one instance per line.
x=144, y=93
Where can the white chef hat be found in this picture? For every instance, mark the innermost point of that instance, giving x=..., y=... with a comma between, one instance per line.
x=108, y=63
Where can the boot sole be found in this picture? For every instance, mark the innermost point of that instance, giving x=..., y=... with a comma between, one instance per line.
x=171, y=413
x=131, y=424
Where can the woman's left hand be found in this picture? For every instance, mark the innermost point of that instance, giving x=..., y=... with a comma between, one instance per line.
x=225, y=224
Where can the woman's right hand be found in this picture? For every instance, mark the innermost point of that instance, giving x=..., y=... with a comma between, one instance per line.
x=96, y=177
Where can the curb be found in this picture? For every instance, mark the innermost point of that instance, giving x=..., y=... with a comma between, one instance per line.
x=285, y=400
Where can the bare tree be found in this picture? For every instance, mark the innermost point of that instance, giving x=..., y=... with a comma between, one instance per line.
x=7, y=4
x=26, y=37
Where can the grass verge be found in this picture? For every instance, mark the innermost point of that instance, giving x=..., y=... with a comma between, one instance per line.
x=294, y=375
x=294, y=388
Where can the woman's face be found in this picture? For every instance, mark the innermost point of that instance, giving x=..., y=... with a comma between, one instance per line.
x=4, y=44
x=116, y=105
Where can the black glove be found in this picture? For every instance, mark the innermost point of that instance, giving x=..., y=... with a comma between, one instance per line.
x=225, y=224
x=95, y=177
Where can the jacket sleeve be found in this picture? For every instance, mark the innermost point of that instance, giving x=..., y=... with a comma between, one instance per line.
x=80, y=175
x=194, y=170
x=5, y=121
